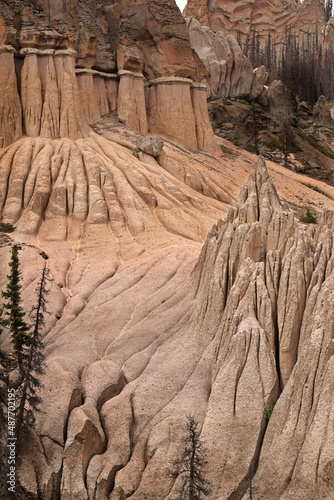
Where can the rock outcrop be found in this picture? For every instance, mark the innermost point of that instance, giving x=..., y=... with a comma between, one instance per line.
x=79, y=61
x=321, y=111
x=230, y=73
x=242, y=19
x=144, y=332
x=10, y=106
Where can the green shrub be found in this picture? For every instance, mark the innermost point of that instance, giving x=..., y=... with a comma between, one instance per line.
x=309, y=217
x=270, y=411
x=6, y=228
x=273, y=143
x=313, y=142
x=304, y=125
x=315, y=188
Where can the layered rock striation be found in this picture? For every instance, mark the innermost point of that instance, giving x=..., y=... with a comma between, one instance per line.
x=244, y=19
x=230, y=73
x=154, y=331
x=75, y=63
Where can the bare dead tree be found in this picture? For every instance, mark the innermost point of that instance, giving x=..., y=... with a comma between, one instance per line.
x=193, y=486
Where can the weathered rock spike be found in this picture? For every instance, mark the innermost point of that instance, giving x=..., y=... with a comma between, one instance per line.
x=258, y=198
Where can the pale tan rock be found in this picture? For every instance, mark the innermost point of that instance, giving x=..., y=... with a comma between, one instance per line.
x=260, y=77
x=10, y=106
x=205, y=137
x=123, y=237
x=321, y=112
x=242, y=74
x=112, y=93
x=276, y=95
x=215, y=52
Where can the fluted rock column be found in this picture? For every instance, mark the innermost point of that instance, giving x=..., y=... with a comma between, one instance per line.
x=88, y=100
x=39, y=93
x=131, y=100
x=111, y=82
x=171, y=111
x=206, y=140
x=31, y=93
x=98, y=93
x=10, y=106
x=50, y=95
x=72, y=122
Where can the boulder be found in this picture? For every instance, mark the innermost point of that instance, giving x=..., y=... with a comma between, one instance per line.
x=260, y=77
x=277, y=96
x=150, y=145
x=321, y=112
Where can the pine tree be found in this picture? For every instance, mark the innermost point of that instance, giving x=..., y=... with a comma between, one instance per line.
x=14, y=312
x=35, y=359
x=194, y=486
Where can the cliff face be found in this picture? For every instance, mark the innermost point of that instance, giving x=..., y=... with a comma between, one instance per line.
x=156, y=310
x=66, y=65
x=230, y=73
x=147, y=326
x=243, y=18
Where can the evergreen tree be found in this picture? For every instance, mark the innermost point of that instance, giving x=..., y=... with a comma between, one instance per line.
x=14, y=312
x=194, y=486
x=35, y=359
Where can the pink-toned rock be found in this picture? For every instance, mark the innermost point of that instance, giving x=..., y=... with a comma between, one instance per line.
x=112, y=92
x=171, y=112
x=242, y=19
x=10, y=106
x=88, y=100
x=72, y=123
x=101, y=94
x=50, y=95
x=31, y=95
x=131, y=101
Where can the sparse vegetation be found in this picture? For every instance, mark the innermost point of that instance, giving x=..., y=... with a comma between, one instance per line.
x=273, y=143
x=6, y=228
x=193, y=485
x=313, y=142
x=315, y=188
x=270, y=411
x=27, y=354
x=309, y=217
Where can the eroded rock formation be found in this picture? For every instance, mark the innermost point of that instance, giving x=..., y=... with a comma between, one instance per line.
x=80, y=61
x=148, y=332
x=242, y=19
x=230, y=73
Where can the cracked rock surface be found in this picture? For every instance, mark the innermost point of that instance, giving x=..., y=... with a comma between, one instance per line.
x=149, y=326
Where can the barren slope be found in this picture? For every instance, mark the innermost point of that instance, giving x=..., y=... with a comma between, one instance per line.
x=143, y=333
